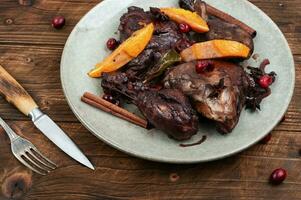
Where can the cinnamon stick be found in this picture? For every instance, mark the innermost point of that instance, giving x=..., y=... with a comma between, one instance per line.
x=99, y=106
x=108, y=107
x=228, y=18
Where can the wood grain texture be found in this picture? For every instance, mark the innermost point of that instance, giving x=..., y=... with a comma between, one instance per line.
x=30, y=49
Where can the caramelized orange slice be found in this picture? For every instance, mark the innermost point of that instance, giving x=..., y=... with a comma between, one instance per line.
x=127, y=51
x=179, y=15
x=215, y=49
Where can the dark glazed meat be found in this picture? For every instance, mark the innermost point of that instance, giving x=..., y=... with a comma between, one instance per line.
x=132, y=21
x=166, y=36
x=218, y=28
x=218, y=94
x=187, y=4
x=117, y=84
x=170, y=111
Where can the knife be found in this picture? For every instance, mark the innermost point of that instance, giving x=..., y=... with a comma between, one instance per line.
x=18, y=96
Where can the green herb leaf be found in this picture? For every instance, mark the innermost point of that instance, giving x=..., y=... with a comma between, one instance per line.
x=169, y=59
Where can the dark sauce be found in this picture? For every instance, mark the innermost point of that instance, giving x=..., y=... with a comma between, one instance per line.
x=196, y=143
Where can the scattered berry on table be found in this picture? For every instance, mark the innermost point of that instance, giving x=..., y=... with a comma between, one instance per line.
x=278, y=176
x=58, y=22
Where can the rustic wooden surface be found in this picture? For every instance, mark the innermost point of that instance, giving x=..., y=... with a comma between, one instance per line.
x=30, y=49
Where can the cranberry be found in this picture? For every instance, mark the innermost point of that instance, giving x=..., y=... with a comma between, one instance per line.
x=202, y=66
x=278, y=176
x=266, y=139
x=265, y=81
x=112, y=44
x=184, y=28
x=58, y=22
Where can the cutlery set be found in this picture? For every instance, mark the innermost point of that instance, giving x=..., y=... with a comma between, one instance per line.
x=27, y=153
x=24, y=150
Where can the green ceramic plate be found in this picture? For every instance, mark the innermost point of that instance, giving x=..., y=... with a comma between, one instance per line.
x=86, y=46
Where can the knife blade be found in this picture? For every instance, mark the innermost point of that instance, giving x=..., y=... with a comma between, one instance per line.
x=18, y=96
x=54, y=133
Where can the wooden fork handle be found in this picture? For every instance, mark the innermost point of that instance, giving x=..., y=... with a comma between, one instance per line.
x=15, y=93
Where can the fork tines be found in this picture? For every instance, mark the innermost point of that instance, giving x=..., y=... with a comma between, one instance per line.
x=36, y=161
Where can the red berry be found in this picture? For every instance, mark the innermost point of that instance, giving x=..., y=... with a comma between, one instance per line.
x=112, y=44
x=58, y=22
x=184, y=28
x=265, y=81
x=266, y=139
x=202, y=66
x=278, y=176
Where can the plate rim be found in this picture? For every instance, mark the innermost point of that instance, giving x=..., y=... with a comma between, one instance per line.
x=175, y=161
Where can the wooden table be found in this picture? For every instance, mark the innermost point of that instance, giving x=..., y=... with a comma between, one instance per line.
x=30, y=49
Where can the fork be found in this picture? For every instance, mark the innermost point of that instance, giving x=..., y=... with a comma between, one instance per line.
x=27, y=153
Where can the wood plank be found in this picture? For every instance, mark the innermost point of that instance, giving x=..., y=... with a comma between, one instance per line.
x=139, y=179
x=34, y=26
x=281, y=145
x=37, y=69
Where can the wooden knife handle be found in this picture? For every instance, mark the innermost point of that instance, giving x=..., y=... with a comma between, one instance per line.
x=15, y=93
